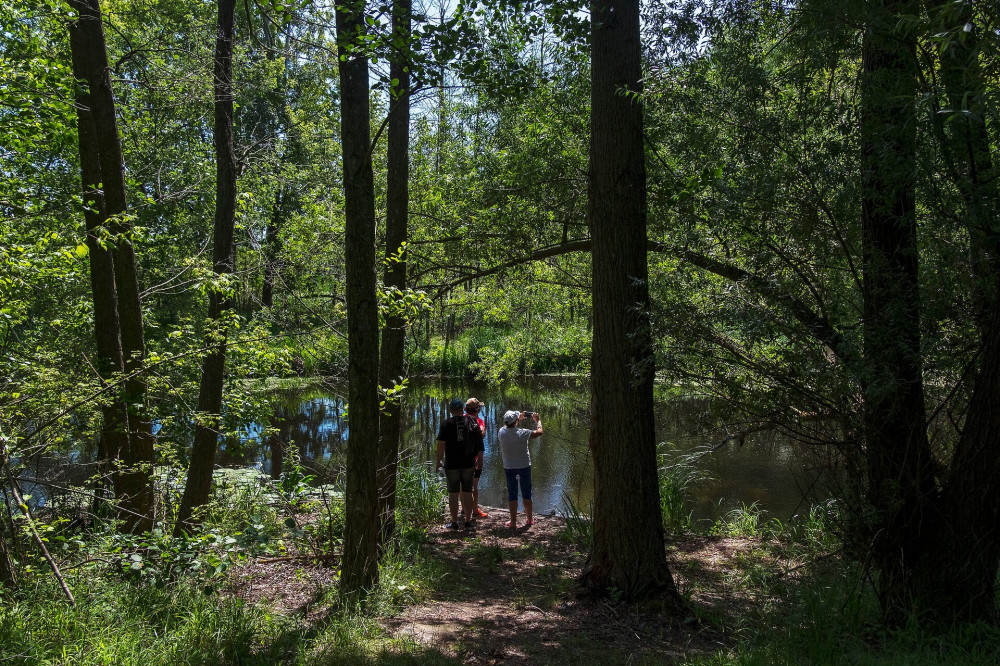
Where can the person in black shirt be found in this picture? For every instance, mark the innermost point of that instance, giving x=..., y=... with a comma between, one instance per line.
x=459, y=445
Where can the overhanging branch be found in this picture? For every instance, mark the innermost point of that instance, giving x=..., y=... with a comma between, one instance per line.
x=817, y=326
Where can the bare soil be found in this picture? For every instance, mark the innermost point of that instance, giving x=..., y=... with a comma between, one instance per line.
x=506, y=597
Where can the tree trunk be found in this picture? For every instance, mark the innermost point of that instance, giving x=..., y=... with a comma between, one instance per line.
x=957, y=574
x=967, y=148
x=8, y=574
x=199, y=479
x=359, y=569
x=899, y=463
x=449, y=327
x=391, y=358
x=118, y=323
x=628, y=551
x=272, y=246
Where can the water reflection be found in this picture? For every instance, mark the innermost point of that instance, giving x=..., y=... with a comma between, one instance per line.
x=782, y=478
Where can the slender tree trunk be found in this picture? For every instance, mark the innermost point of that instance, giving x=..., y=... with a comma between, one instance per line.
x=391, y=358
x=900, y=466
x=448, y=329
x=628, y=551
x=8, y=574
x=199, y=479
x=272, y=246
x=118, y=322
x=359, y=570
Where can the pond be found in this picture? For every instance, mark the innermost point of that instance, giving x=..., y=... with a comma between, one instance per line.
x=782, y=478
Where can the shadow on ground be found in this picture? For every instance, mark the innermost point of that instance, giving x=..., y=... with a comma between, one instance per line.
x=506, y=598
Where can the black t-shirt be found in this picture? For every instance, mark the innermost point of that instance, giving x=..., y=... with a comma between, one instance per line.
x=462, y=441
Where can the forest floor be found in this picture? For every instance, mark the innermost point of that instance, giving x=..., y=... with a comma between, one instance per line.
x=502, y=596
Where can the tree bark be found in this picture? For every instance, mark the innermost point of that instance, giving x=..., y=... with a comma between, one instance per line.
x=391, y=358
x=359, y=569
x=900, y=468
x=628, y=551
x=956, y=577
x=199, y=479
x=114, y=281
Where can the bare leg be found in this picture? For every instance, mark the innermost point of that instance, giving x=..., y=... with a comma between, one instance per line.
x=475, y=497
x=513, y=513
x=467, y=506
x=453, y=506
x=527, y=510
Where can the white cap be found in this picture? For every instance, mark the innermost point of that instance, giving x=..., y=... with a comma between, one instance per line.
x=511, y=417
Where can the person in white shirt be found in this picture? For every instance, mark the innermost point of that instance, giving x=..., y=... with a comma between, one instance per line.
x=517, y=461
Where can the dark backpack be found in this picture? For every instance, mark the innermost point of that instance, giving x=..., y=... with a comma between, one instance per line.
x=465, y=428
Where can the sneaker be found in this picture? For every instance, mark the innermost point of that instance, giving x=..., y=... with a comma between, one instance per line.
x=482, y=514
x=468, y=524
x=451, y=526
x=511, y=525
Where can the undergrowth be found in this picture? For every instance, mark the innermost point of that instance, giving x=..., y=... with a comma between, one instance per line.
x=157, y=599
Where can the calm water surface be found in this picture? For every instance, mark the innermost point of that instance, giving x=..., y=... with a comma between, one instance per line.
x=781, y=478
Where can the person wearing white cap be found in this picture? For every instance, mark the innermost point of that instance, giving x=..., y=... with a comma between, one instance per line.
x=517, y=461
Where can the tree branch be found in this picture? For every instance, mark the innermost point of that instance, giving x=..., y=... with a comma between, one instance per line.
x=817, y=326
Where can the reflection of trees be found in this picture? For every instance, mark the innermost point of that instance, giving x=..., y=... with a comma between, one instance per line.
x=767, y=467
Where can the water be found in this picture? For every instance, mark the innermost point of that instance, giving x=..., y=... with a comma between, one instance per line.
x=781, y=477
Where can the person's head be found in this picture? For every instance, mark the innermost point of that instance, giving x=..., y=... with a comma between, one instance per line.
x=472, y=406
x=456, y=406
x=510, y=418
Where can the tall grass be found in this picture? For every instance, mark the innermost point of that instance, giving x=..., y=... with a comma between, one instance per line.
x=419, y=496
x=579, y=527
x=678, y=473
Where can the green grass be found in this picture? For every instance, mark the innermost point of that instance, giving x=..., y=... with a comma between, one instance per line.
x=129, y=621
x=117, y=622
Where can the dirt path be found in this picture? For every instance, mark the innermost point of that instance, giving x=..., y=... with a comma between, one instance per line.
x=507, y=599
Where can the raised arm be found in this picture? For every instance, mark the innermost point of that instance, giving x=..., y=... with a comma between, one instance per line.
x=537, y=432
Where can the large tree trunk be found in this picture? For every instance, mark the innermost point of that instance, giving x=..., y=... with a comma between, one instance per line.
x=628, y=551
x=956, y=577
x=199, y=479
x=117, y=311
x=899, y=464
x=359, y=569
x=391, y=357
x=967, y=146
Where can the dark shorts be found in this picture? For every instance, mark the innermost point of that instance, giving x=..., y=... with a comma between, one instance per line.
x=459, y=478
x=513, y=476
x=478, y=473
